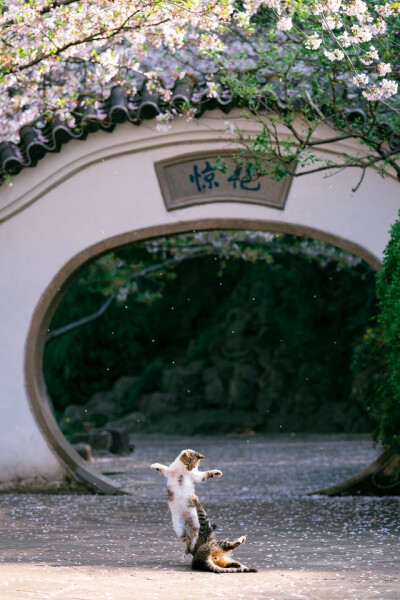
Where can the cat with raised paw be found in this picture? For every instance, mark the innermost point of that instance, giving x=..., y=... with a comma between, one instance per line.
x=182, y=475
x=211, y=554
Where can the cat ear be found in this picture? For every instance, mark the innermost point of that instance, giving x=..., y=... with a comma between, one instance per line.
x=185, y=457
x=199, y=456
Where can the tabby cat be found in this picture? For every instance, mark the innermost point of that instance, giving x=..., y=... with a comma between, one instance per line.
x=210, y=554
x=181, y=476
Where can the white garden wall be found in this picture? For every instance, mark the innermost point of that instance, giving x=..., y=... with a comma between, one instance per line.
x=102, y=193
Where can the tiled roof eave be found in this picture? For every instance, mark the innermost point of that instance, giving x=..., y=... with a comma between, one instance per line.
x=37, y=140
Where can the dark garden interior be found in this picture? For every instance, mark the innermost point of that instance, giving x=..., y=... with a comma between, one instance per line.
x=216, y=332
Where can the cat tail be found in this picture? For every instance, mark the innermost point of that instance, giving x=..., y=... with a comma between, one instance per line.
x=206, y=530
x=210, y=566
x=205, y=526
x=244, y=569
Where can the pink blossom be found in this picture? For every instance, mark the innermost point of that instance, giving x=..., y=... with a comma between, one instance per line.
x=383, y=69
x=285, y=23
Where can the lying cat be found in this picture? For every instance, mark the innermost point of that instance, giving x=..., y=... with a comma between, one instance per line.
x=181, y=476
x=210, y=554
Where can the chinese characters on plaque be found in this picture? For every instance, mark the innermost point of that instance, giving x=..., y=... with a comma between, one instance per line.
x=207, y=178
x=192, y=180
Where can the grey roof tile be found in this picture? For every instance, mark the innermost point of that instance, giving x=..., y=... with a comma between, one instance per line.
x=37, y=140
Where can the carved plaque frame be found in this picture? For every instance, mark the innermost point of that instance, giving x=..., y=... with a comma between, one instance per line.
x=189, y=179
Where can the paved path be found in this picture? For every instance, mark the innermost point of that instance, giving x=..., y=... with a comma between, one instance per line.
x=119, y=548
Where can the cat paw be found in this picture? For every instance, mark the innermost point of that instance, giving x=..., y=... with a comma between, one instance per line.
x=217, y=473
x=194, y=498
x=242, y=539
x=157, y=467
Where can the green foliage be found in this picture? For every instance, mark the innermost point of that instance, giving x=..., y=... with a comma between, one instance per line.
x=377, y=355
x=265, y=331
x=371, y=385
x=388, y=291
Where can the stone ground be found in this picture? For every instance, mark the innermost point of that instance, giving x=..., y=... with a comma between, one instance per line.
x=67, y=547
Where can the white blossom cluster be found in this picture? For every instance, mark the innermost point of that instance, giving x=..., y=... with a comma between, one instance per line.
x=56, y=55
x=360, y=23
x=54, y=52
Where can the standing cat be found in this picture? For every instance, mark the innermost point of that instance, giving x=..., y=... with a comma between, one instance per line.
x=181, y=476
x=210, y=554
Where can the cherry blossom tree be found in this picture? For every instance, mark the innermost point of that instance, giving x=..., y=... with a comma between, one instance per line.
x=313, y=63
x=295, y=63
x=54, y=53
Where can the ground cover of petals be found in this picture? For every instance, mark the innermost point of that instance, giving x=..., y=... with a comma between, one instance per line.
x=76, y=547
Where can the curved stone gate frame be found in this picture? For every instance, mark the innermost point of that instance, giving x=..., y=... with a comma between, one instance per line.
x=52, y=297
x=103, y=194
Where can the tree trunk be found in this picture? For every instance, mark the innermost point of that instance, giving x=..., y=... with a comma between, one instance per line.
x=381, y=478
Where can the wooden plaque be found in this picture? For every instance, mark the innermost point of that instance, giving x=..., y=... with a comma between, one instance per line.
x=188, y=180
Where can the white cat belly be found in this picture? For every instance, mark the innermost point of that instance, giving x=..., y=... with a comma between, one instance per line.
x=184, y=514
